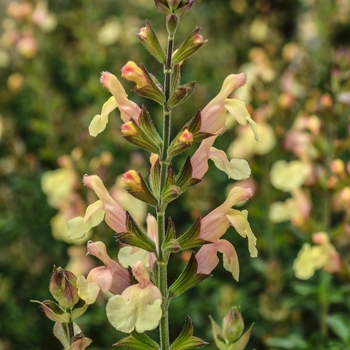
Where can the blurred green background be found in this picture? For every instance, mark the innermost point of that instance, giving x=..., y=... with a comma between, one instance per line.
x=296, y=55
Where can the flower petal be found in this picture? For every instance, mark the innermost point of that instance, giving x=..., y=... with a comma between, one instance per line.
x=135, y=308
x=99, y=122
x=78, y=227
x=237, y=109
x=239, y=220
x=237, y=169
x=213, y=116
x=128, y=109
x=230, y=257
x=87, y=291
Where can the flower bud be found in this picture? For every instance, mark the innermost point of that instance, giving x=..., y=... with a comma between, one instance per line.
x=128, y=129
x=181, y=94
x=132, y=179
x=63, y=287
x=337, y=166
x=171, y=23
x=186, y=137
x=232, y=325
x=190, y=45
x=132, y=72
x=149, y=40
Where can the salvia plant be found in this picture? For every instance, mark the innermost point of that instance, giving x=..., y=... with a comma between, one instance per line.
x=137, y=283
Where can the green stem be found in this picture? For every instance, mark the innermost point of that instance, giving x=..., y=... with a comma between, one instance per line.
x=164, y=164
x=70, y=330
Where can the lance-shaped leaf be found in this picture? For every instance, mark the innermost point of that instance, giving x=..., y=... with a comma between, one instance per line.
x=189, y=46
x=142, y=191
x=188, y=278
x=181, y=93
x=170, y=191
x=170, y=243
x=190, y=238
x=184, y=178
x=151, y=90
x=143, y=133
x=135, y=236
x=186, y=340
x=154, y=179
x=149, y=40
x=138, y=341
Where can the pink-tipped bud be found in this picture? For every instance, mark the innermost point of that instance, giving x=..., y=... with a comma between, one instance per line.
x=337, y=166
x=232, y=325
x=198, y=39
x=132, y=72
x=63, y=287
x=186, y=137
x=345, y=195
x=143, y=32
x=132, y=179
x=326, y=101
x=128, y=129
x=320, y=238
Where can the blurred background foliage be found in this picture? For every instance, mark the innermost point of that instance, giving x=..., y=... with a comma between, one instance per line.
x=296, y=55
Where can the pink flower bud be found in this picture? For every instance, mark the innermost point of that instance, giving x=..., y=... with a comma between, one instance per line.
x=128, y=129
x=132, y=179
x=132, y=72
x=143, y=32
x=186, y=137
x=337, y=166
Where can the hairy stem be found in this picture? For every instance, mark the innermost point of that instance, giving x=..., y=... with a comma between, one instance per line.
x=164, y=164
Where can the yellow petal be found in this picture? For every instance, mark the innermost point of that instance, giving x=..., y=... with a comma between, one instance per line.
x=237, y=169
x=288, y=176
x=99, y=122
x=135, y=308
x=239, y=220
x=87, y=291
x=237, y=109
x=78, y=227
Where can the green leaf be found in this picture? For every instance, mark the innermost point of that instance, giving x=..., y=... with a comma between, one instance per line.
x=340, y=326
x=184, y=178
x=138, y=341
x=190, y=238
x=135, y=236
x=291, y=342
x=188, y=278
x=186, y=340
x=170, y=243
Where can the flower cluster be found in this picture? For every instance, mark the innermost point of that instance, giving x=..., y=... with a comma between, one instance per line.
x=137, y=280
